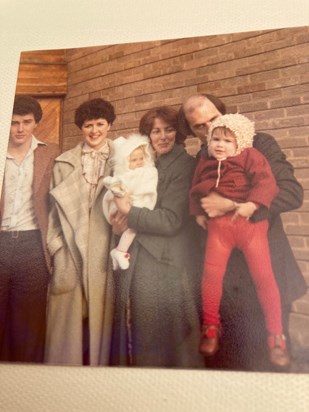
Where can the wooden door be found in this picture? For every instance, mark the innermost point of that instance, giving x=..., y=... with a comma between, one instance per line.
x=49, y=128
x=43, y=75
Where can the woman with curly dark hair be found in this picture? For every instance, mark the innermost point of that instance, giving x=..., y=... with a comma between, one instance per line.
x=80, y=305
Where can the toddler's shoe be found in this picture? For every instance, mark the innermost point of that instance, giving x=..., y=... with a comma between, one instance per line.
x=209, y=343
x=278, y=354
x=120, y=259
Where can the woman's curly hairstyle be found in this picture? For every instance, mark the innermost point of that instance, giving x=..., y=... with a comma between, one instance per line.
x=94, y=109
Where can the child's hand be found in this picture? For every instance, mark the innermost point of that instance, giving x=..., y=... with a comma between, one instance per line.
x=245, y=210
x=201, y=220
x=118, y=190
x=216, y=205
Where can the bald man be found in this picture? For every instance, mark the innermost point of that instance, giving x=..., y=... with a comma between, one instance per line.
x=243, y=337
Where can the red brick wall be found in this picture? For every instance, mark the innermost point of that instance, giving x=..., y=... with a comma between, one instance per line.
x=263, y=74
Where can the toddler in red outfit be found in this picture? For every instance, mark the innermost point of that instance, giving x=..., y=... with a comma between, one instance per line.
x=237, y=171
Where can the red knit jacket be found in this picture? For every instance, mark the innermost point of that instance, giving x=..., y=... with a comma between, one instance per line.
x=241, y=178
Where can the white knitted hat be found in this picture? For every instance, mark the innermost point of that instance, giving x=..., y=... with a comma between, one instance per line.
x=124, y=146
x=241, y=126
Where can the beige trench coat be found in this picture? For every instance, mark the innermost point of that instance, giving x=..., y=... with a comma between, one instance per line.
x=82, y=284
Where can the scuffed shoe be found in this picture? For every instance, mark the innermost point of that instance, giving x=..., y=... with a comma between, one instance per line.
x=278, y=354
x=209, y=343
x=120, y=259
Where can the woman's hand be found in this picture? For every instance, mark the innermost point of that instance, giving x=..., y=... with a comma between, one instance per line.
x=123, y=204
x=119, y=223
x=216, y=205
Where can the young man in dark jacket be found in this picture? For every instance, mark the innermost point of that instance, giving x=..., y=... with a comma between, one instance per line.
x=24, y=260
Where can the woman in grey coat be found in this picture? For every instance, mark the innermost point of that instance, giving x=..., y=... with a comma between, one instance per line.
x=156, y=317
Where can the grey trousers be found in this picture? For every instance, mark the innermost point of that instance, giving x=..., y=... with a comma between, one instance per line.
x=23, y=289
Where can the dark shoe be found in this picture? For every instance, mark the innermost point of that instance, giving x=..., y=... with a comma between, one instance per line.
x=278, y=354
x=209, y=343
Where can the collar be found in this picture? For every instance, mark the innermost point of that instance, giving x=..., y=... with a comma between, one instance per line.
x=166, y=159
x=34, y=144
x=87, y=149
x=73, y=156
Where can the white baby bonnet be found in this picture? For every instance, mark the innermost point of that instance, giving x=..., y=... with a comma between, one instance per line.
x=240, y=125
x=123, y=147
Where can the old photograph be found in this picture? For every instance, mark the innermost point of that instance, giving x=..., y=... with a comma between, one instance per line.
x=154, y=211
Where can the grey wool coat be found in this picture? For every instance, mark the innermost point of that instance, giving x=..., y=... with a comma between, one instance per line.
x=156, y=316
x=81, y=286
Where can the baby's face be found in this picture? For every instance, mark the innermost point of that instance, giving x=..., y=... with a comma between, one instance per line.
x=222, y=143
x=137, y=158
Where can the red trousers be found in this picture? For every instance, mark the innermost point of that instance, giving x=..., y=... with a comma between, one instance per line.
x=251, y=238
